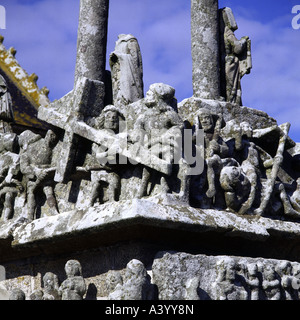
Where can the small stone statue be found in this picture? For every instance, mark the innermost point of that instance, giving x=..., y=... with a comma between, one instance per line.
x=17, y=294
x=236, y=57
x=127, y=71
x=35, y=164
x=136, y=284
x=51, y=287
x=157, y=128
x=285, y=271
x=113, y=279
x=253, y=281
x=10, y=184
x=271, y=285
x=215, y=147
x=109, y=120
x=74, y=287
x=236, y=187
x=224, y=287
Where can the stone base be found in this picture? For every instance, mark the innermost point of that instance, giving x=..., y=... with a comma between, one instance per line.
x=107, y=237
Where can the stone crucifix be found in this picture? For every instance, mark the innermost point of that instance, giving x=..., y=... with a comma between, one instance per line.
x=86, y=100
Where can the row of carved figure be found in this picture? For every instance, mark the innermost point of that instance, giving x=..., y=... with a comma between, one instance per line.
x=256, y=282
x=233, y=281
x=239, y=175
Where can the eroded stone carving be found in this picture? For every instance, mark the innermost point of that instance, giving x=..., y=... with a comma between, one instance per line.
x=136, y=284
x=36, y=166
x=107, y=172
x=236, y=57
x=51, y=287
x=6, y=111
x=74, y=287
x=126, y=71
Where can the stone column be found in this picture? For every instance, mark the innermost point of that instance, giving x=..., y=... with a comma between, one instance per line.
x=92, y=40
x=205, y=49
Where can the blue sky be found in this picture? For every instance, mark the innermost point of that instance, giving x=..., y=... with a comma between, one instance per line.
x=44, y=34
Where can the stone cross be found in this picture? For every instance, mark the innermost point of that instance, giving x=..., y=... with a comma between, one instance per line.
x=87, y=98
x=205, y=48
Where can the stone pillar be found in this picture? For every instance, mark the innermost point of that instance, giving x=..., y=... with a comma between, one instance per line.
x=92, y=40
x=205, y=49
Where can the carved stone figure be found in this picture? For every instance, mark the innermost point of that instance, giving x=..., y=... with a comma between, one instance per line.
x=285, y=271
x=291, y=204
x=74, y=287
x=51, y=287
x=106, y=174
x=113, y=279
x=10, y=184
x=6, y=111
x=224, y=288
x=136, y=284
x=36, y=166
x=157, y=128
x=17, y=294
x=236, y=186
x=216, y=150
x=253, y=281
x=236, y=57
x=271, y=284
x=37, y=295
x=127, y=71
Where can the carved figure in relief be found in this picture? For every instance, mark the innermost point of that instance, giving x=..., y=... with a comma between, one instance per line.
x=74, y=287
x=127, y=71
x=10, y=180
x=113, y=279
x=6, y=111
x=284, y=269
x=51, y=287
x=253, y=281
x=236, y=57
x=157, y=129
x=271, y=284
x=136, y=284
x=35, y=164
x=224, y=287
x=106, y=174
x=216, y=150
x=17, y=294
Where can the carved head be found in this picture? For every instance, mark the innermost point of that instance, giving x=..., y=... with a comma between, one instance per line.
x=73, y=268
x=252, y=269
x=124, y=40
x=135, y=269
x=50, y=138
x=8, y=142
x=113, y=279
x=50, y=281
x=17, y=294
x=157, y=92
x=270, y=273
x=110, y=119
x=229, y=19
x=247, y=130
x=206, y=121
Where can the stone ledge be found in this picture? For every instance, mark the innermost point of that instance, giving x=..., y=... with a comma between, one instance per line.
x=149, y=220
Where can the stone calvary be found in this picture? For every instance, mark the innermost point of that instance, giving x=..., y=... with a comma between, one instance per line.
x=114, y=193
